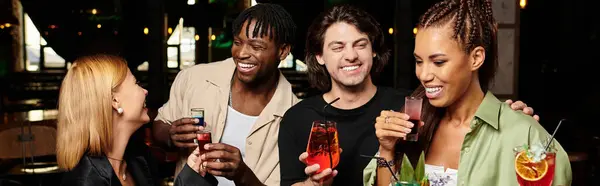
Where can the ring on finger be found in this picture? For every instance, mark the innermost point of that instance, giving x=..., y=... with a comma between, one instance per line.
x=387, y=119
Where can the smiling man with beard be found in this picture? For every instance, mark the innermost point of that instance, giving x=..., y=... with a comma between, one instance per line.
x=244, y=98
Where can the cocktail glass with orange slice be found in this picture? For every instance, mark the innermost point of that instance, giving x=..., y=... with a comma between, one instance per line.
x=535, y=165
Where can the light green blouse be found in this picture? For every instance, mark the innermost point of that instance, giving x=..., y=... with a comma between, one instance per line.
x=487, y=156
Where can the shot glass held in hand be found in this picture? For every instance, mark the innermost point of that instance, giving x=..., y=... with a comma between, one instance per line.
x=203, y=137
x=412, y=107
x=198, y=113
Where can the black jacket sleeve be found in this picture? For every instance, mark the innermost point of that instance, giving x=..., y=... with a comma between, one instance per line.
x=188, y=176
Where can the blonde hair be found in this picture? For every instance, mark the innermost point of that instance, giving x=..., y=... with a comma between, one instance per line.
x=85, y=108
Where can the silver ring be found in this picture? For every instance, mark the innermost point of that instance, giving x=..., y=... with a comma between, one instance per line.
x=387, y=119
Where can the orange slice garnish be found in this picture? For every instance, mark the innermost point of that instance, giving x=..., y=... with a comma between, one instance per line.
x=528, y=170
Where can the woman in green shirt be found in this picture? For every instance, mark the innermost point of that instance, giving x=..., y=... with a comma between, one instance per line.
x=468, y=135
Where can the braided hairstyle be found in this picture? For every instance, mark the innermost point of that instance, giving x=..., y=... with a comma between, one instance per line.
x=269, y=18
x=473, y=25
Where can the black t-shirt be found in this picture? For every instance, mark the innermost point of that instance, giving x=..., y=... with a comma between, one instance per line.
x=356, y=135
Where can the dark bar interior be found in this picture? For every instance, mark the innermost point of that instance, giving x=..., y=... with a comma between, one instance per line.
x=547, y=53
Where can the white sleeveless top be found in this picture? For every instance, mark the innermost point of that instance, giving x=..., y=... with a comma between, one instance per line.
x=438, y=177
x=237, y=128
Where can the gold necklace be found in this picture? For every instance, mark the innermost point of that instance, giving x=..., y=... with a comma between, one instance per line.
x=124, y=174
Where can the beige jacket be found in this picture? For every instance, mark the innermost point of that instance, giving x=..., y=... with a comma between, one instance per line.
x=207, y=86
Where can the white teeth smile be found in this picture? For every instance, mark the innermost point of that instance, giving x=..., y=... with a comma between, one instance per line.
x=246, y=65
x=350, y=68
x=433, y=89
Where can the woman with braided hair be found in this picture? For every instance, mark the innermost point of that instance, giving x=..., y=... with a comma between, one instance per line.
x=468, y=135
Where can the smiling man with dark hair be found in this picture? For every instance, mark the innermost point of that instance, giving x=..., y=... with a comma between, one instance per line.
x=345, y=50
x=244, y=98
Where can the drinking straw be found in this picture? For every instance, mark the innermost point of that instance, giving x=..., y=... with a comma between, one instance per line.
x=327, y=132
x=552, y=137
